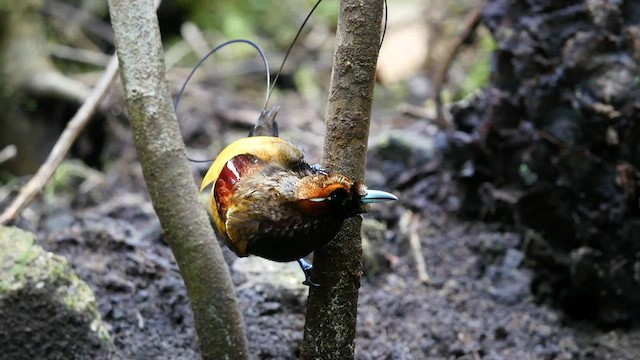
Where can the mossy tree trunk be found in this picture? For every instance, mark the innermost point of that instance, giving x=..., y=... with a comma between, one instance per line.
x=331, y=314
x=169, y=179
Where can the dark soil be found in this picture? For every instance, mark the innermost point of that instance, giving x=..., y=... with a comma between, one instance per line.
x=478, y=304
x=542, y=153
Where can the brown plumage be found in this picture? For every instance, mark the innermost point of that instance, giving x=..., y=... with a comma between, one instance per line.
x=267, y=201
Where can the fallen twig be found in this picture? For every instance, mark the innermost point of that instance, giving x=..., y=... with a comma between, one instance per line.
x=57, y=85
x=74, y=127
x=69, y=14
x=80, y=55
x=195, y=38
x=408, y=225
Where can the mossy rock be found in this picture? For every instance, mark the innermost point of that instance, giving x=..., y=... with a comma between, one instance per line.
x=46, y=311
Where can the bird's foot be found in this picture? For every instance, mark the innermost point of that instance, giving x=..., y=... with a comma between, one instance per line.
x=317, y=169
x=307, y=281
x=306, y=268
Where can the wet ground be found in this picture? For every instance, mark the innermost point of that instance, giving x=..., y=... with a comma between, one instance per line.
x=476, y=305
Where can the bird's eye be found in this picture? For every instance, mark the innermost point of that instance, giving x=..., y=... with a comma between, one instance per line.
x=338, y=195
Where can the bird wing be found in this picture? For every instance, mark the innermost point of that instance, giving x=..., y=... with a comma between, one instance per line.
x=245, y=216
x=240, y=227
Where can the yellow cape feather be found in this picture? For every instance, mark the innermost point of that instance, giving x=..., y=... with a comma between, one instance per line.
x=266, y=148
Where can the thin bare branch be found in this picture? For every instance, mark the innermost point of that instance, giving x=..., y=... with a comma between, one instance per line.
x=441, y=76
x=56, y=84
x=74, y=127
x=80, y=55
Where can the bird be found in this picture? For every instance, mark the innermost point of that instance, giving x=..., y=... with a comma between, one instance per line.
x=267, y=201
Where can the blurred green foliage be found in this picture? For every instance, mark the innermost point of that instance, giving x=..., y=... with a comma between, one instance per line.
x=478, y=74
x=276, y=21
x=69, y=177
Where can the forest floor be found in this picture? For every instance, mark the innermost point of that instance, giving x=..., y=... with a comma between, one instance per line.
x=477, y=304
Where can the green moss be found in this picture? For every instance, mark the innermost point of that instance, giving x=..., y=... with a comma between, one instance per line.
x=16, y=251
x=25, y=265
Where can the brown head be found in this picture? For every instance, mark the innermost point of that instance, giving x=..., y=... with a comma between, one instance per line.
x=324, y=193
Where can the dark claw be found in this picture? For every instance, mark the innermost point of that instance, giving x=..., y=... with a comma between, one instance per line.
x=310, y=283
x=306, y=268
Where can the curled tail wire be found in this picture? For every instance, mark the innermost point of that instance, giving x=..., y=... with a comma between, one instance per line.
x=265, y=124
x=213, y=51
x=204, y=58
